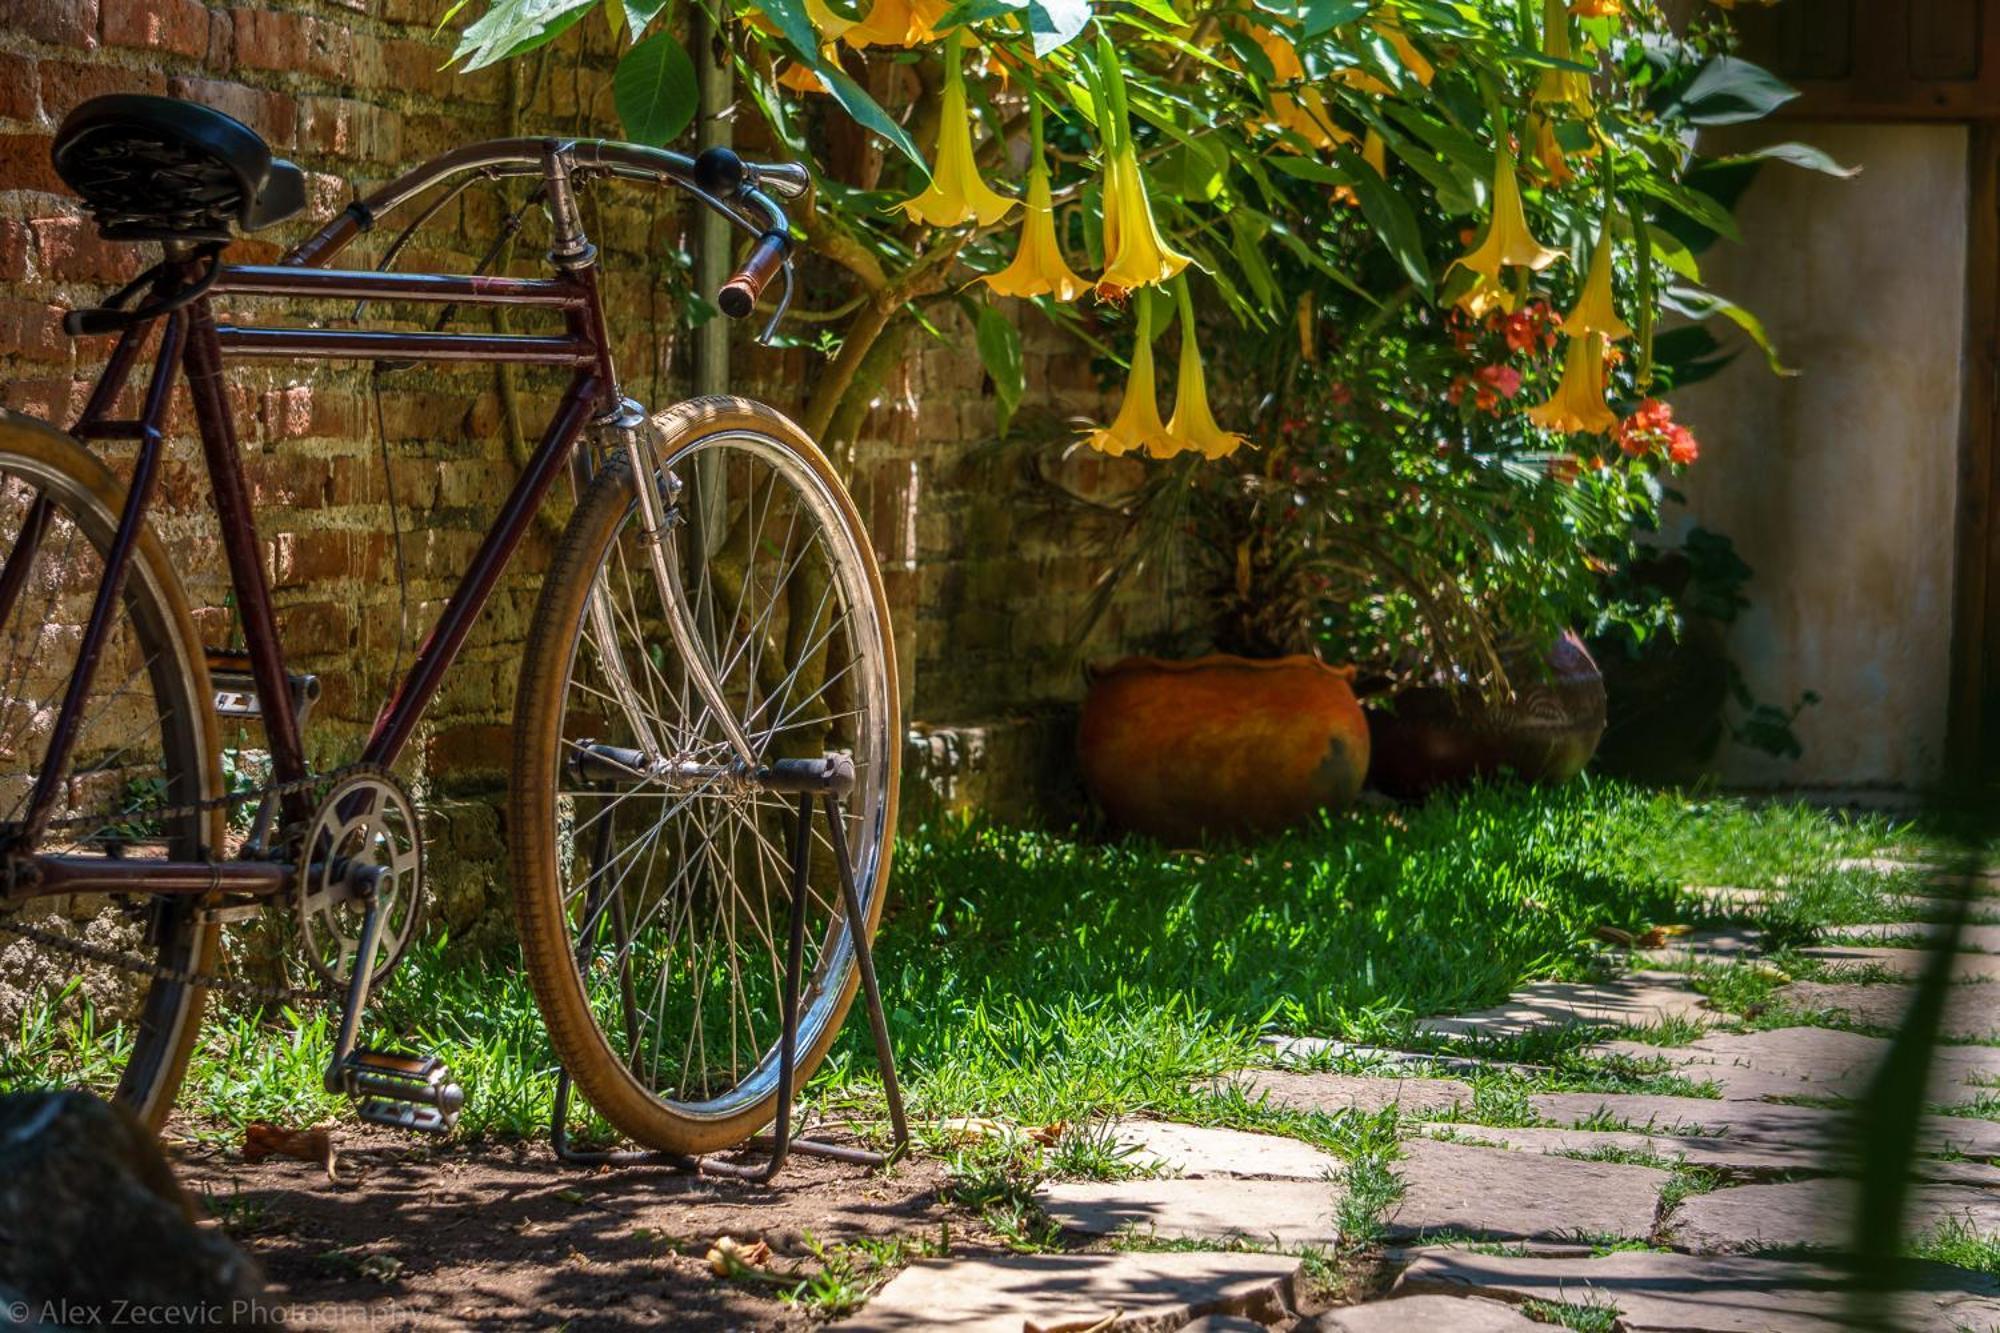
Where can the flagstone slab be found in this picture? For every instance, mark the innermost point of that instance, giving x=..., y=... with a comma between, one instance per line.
x=1147, y=1293
x=1687, y=1293
x=1426, y=1314
x=1967, y=967
x=1198, y=1151
x=1746, y=1218
x=1979, y=937
x=1275, y=1213
x=1726, y=1153
x=1638, y=999
x=1503, y=1195
x=1334, y=1093
x=1814, y=1061
x=1721, y=945
x=1305, y=1050
x=1972, y=1013
x=1805, y=1128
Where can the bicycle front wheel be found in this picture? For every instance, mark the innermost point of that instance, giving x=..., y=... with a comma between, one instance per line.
x=653, y=891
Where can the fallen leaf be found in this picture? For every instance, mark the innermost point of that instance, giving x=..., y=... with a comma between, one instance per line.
x=729, y=1257
x=1048, y=1135
x=1613, y=935
x=1656, y=937
x=975, y=1127
x=381, y=1267
x=315, y=1145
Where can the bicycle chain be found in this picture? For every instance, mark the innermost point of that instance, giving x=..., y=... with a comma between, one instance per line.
x=179, y=976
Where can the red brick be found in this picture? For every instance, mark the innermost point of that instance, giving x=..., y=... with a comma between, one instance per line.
x=306, y=411
x=18, y=85
x=62, y=22
x=34, y=330
x=13, y=250
x=270, y=114
x=343, y=127
x=296, y=44
x=68, y=83
x=180, y=26
x=72, y=251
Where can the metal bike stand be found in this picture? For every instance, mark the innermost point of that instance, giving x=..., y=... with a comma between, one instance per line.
x=813, y=781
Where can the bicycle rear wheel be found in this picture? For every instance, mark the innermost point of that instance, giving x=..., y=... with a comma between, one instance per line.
x=146, y=746
x=654, y=898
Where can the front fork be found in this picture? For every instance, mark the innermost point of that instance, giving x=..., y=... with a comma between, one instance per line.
x=627, y=429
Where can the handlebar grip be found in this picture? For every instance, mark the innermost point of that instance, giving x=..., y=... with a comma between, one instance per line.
x=738, y=296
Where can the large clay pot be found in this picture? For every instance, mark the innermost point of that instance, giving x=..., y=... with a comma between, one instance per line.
x=1221, y=746
x=1428, y=737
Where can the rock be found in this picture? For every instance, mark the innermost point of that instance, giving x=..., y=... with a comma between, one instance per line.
x=1426, y=1314
x=1638, y=998
x=1150, y=1293
x=1971, y=1012
x=1905, y=962
x=1979, y=937
x=1687, y=1293
x=1819, y=1213
x=1727, y=1153
x=90, y=1214
x=1195, y=1152
x=1286, y=1213
x=1501, y=1195
x=1334, y=1093
x=1810, y=1061
x=1224, y=1323
x=1804, y=1128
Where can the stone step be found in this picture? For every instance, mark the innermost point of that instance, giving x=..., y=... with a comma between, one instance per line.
x=1906, y=962
x=1196, y=1151
x=1638, y=999
x=1812, y=1061
x=1747, y=1218
x=1972, y=1013
x=1334, y=1093
x=1686, y=1293
x=1144, y=1293
x=1807, y=1128
x=1426, y=1314
x=1271, y=1214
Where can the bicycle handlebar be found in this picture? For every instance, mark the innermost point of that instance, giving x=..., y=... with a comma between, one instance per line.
x=740, y=191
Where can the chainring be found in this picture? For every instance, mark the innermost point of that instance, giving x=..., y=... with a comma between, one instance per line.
x=365, y=819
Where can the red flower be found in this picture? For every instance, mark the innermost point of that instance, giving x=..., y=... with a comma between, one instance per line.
x=1504, y=379
x=1652, y=430
x=1523, y=331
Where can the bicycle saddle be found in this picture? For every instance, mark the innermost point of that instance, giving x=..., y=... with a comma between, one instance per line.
x=160, y=169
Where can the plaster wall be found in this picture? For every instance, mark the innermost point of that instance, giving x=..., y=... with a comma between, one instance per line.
x=1838, y=485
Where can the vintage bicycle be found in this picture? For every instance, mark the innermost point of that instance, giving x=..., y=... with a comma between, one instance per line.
x=709, y=668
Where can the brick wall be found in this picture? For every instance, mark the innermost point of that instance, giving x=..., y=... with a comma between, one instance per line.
x=986, y=578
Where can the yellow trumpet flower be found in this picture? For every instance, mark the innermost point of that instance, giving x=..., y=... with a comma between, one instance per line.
x=1193, y=425
x=1577, y=406
x=1135, y=254
x=956, y=193
x=829, y=23
x=897, y=23
x=1507, y=243
x=1595, y=310
x=1598, y=9
x=1560, y=87
x=1295, y=107
x=1038, y=268
x=1138, y=424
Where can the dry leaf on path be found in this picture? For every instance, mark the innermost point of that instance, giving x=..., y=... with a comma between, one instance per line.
x=262, y=1139
x=729, y=1257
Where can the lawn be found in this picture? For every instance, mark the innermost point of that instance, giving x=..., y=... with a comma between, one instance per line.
x=1044, y=977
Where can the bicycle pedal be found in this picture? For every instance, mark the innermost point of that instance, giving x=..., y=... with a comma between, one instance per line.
x=236, y=688
x=413, y=1092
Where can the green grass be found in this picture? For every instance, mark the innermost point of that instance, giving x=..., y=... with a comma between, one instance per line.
x=1958, y=1243
x=1593, y=1316
x=1041, y=978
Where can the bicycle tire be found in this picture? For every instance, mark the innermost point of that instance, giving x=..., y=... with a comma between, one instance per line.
x=609, y=1079
x=88, y=493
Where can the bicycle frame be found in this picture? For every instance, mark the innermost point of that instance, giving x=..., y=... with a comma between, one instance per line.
x=192, y=338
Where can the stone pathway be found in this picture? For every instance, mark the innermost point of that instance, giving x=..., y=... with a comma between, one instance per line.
x=1500, y=1208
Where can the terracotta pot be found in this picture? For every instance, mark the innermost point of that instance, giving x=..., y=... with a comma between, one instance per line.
x=1430, y=737
x=1221, y=746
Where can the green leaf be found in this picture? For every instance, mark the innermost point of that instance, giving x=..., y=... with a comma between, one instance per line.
x=978, y=11
x=1691, y=204
x=800, y=35
x=1000, y=352
x=639, y=13
x=1247, y=231
x=653, y=89
x=512, y=27
x=1391, y=217
x=1802, y=155
x=1054, y=24
x=1729, y=91
x=1697, y=303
